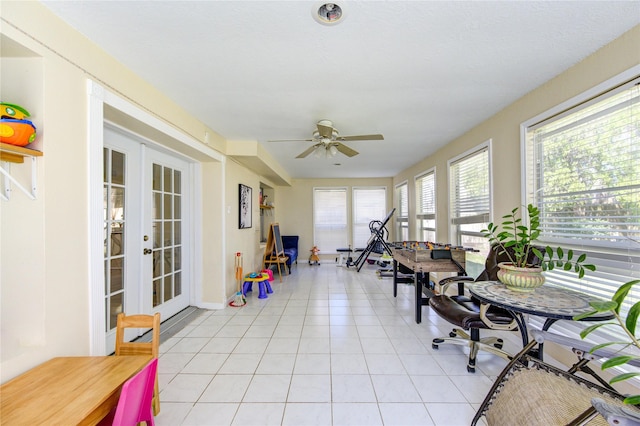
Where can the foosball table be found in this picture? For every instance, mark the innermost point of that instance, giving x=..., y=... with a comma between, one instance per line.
x=423, y=258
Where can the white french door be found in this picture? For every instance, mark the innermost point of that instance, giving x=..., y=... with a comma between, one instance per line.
x=146, y=230
x=166, y=229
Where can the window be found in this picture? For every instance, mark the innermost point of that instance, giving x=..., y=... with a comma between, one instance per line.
x=469, y=204
x=469, y=198
x=582, y=169
x=330, y=219
x=369, y=204
x=402, y=212
x=426, y=206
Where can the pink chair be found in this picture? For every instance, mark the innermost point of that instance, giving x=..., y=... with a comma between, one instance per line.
x=134, y=405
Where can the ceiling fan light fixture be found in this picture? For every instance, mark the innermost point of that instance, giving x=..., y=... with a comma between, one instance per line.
x=333, y=151
x=328, y=13
x=320, y=152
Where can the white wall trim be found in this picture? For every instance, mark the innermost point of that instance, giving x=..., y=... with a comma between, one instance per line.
x=223, y=237
x=195, y=293
x=212, y=306
x=98, y=97
x=95, y=136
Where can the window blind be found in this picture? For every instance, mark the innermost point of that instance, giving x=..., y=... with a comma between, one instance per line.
x=469, y=188
x=402, y=212
x=426, y=206
x=330, y=219
x=368, y=204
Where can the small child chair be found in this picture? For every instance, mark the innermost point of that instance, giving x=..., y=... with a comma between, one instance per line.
x=134, y=405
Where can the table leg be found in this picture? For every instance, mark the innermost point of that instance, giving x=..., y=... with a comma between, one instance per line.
x=417, y=283
x=419, y=278
x=522, y=326
x=395, y=278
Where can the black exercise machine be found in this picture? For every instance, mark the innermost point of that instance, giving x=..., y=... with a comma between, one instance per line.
x=376, y=243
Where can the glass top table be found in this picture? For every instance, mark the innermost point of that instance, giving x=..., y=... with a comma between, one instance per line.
x=549, y=302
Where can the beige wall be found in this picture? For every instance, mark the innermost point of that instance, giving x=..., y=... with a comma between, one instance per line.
x=245, y=241
x=503, y=129
x=294, y=207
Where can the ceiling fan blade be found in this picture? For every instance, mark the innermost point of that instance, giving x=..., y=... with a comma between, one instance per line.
x=361, y=138
x=324, y=130
x=291, y=140
x=345, y=149
x=308, y=151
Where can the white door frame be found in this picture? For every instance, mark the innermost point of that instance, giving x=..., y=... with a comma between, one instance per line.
x=98, y=99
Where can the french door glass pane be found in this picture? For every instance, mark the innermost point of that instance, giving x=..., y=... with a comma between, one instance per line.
x=157, y=291
x=157, y=177
x=177, y=182
x=117, y=275
x=117, y=168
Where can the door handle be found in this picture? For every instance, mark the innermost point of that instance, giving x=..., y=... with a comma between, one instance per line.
x=147, y=251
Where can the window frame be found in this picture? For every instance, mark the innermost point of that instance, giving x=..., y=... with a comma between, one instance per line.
x=600, y=254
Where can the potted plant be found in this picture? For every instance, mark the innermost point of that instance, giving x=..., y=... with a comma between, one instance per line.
x=516, y=239
x=628, y=325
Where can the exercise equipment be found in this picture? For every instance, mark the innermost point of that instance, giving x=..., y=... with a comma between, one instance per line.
x=376, y=243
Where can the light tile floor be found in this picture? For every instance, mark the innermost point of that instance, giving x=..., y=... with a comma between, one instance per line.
x=330, y=346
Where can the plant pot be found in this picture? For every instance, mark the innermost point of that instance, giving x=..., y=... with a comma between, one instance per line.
x=520, y=279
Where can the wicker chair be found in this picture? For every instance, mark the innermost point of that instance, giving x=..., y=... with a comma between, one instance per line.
x=531, y=392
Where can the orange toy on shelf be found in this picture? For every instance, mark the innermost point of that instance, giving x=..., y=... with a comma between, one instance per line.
x=15, y=129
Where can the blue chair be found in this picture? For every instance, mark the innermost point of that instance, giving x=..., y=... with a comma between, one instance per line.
x=290, y=245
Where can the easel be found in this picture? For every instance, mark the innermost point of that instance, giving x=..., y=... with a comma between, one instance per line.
x=274, y=251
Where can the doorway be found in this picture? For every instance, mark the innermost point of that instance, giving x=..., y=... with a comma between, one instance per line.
x=146, y=229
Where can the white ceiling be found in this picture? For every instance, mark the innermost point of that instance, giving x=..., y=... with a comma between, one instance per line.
x=419, y=72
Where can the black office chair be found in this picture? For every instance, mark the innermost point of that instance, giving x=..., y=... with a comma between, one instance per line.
x=465, y=312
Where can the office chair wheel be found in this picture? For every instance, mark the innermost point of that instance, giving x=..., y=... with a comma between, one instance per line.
x=471, y=369
x=498, y=344
x=452, y=334
x=435, y=342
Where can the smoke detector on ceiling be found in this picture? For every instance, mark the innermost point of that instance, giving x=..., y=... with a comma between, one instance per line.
x=328, y=13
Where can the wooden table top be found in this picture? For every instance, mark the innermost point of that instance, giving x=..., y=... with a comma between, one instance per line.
x=428, y=265
x=67, y=390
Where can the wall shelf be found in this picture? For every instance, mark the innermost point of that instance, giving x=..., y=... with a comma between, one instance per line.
x=17, y=154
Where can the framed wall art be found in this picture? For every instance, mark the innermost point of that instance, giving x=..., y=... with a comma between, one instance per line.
x=246, y=208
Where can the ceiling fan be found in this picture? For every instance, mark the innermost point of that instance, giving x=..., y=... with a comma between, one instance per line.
x=328, y=141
